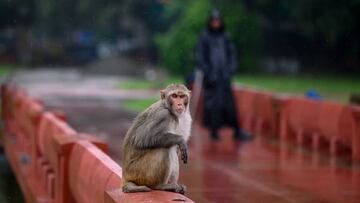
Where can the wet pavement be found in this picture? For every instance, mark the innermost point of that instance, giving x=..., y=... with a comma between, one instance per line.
x=264, y=171
x=226, y=171
x=63, y=84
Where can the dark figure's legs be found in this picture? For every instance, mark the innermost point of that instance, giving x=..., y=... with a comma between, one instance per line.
x=220, y=109
x=214, y=134
x=212, y=110
x=230, y=113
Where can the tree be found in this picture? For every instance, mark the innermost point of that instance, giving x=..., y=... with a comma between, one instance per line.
x=176, y=46
x=327, y=29
x=17, y=12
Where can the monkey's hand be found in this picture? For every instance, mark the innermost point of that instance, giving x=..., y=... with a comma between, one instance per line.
x=183, y=151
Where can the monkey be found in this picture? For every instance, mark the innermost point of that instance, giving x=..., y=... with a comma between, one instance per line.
x=150, y=148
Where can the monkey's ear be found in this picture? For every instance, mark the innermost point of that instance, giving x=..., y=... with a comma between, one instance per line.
x=162, y=94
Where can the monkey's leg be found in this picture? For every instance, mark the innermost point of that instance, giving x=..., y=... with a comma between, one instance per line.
x=173, y=172
x=170, y=183
x=172, y=187
x=173, y=180
x=131, y=187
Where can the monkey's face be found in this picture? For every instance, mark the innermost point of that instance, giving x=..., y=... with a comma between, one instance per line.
x=176, y=98
x=179, y=102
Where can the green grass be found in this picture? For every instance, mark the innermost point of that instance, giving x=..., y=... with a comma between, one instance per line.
x=138, y=105
x=290, y=84
x=301, y=83
x=142, y=104
x=6, y=69
x=144, y=84
x=329, y=87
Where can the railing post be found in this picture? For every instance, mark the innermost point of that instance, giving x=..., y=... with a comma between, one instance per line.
x=356, y=135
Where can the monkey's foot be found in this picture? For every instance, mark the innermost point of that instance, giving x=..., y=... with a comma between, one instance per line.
x=183, y=189
x=130, y=187
x=172, y=188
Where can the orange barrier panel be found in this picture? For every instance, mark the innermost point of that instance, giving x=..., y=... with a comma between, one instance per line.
x=259, y=112
x=51, y=158
x=336, y=124
x=103, y=181
x=356, y=135
x=31, y=192
x=267, y=110
x=49, y=126
x=197, y=110
x=8, y=108
x=46, y=158
x=83, y=157
x=18, y=120
x=299, y=116
x=19, y=99
x=245, y=107
x=347, y=125
x=329, y=120
x=28, y=121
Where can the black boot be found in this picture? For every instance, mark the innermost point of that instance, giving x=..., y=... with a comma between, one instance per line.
x=215, y=135
x=242, y=136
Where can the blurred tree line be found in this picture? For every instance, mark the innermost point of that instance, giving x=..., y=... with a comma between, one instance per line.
x=278, y=36
x=322, y=34
x=297, y=36
x=189, y=18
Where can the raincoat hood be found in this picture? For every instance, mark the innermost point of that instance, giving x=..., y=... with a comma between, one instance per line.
x=215, y=14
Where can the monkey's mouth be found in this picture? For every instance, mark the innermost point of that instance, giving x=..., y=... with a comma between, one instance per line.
x=179, y=111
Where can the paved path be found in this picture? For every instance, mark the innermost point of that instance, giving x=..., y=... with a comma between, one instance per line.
x=61, y=84
x=264, y=171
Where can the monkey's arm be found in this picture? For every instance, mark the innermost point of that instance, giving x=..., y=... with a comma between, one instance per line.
x=164, y=140
x=154, y=134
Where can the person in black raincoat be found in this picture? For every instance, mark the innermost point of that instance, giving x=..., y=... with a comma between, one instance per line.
x=216, y=58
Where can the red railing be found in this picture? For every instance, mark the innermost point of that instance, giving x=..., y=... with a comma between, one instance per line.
x=298, y=119
x=54, y=163
x=51, y=160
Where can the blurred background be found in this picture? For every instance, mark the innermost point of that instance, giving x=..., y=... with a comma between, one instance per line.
x=278, y=38
x=288, y=37
x=119, y=53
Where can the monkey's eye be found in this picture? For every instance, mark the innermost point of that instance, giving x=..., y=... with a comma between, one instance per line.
x=182, y=96
x=174, y=96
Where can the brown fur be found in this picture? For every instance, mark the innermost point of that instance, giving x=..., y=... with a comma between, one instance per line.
x=149, y=169
x=146, y=147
